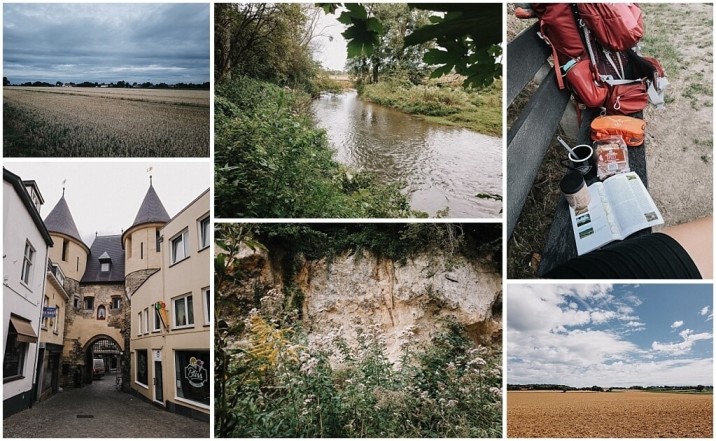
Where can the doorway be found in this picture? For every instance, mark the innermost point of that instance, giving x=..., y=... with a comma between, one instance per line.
x=158, y=385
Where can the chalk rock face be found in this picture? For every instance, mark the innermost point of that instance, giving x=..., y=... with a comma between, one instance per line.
x=406, y=300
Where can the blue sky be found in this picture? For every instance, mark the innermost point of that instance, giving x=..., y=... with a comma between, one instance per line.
x=610, y=335
x=106, y=42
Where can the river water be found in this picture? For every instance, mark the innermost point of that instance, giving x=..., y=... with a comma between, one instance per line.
x=438, y=166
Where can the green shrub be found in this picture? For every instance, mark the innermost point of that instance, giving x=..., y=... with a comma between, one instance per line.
x=270, y=161
x=327, y=388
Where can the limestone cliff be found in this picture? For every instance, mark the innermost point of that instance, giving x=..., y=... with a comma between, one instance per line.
x=405, y=298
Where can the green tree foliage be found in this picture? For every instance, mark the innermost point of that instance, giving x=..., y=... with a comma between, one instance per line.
x=271, y=161
x=264, y=41
x=389, y=55
x=468, y=38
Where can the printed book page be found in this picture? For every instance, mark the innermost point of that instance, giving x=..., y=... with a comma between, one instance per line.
x=620, y=206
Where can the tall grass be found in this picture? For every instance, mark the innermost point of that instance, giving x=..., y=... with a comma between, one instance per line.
x=477, y=110
x=288, y=385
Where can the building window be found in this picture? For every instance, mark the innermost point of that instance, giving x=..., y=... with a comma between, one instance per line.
x=192, y=375
x=183, y=311
x=56, y=320
x=104, y=267
x=178, y=247
x=76, y=302
x=45, y=304
x=14, y=359
x=116, y=302
x=207, y=306
x=65, y=249
x=158, y=240
x=139, y=324
x=20, y=334
x=89, y=303
x=141, y=250
x=101, y=312
x=145, y=324
x=157, y=321
x=129, y=246
x=204, y=232
x=142, y=367
x=27, y=262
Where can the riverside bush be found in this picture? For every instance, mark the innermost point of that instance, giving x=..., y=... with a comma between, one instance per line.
x=477, y=110
x=270, y=161
x=287, y=385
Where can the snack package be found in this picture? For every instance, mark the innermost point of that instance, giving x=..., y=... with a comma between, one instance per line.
x=630, y=129
x=612, y=156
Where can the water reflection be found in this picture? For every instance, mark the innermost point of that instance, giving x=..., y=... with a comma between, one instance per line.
x=439, y=166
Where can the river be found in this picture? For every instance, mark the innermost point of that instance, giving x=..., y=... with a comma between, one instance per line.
x=438, y=166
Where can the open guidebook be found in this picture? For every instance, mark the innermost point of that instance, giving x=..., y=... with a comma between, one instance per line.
x=620, y=206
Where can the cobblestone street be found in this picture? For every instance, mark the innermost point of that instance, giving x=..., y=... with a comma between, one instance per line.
x=113, y=415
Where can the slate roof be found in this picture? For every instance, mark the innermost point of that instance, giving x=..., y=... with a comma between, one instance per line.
x=151, y=210
x=21, y=191
x=60, y=221
x=112, y=247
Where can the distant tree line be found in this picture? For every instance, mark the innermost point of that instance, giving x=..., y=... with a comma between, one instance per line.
x=118, y=84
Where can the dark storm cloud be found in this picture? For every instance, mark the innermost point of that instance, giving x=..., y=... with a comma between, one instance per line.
x=106, y=42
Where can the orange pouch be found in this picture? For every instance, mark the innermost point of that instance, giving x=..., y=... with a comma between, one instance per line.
x=630, y=129
x=581, y=81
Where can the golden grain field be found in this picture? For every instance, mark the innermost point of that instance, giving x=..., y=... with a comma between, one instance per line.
x=618, y=414
x=103, y=122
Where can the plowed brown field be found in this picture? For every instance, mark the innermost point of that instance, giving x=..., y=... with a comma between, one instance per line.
x=628, y=414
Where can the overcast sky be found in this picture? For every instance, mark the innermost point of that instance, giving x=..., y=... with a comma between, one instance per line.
x=330, y=48
x=610, y=335
x=105, y=197
x=106, y=42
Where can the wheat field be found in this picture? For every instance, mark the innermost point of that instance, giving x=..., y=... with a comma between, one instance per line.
x=622, y=414
x=104, y=122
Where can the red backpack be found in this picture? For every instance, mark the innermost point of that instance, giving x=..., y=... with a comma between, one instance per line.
x=591, y=47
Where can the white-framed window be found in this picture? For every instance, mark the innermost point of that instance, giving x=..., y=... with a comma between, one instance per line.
x=183, y=311
x=142, y=367
x=45, y=304
x=157, y=321
x=145, y=325
x=104, y=267
x=204, y=232
x=179, y=247
x=192, y=368
x=139, y=323
x=77, y=302
x=55, y=326
x=116, y=302
x=27, y=261
x=207, y=305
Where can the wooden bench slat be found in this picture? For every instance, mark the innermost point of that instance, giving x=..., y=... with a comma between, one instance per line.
x=529, y=53
x=527, y=143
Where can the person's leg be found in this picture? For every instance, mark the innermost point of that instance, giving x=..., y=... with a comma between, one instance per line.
x=696, y=237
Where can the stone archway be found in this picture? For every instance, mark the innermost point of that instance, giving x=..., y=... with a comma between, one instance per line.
x=106, y=348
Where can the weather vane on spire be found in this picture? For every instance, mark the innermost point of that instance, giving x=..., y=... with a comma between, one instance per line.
x=149, y=170
x=63, y=187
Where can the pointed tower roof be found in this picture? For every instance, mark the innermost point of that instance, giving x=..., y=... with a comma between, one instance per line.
x=60, y=221
x=152, y=210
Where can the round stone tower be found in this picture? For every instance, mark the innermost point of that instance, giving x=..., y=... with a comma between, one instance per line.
x=141, y=242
